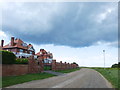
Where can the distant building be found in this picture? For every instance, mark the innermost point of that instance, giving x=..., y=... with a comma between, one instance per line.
x=47, y=57
x=19, y=48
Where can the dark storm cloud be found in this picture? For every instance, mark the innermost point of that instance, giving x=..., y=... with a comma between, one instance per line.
x=71, y=24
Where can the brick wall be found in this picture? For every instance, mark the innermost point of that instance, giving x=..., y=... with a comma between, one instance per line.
x=21, y=69
x=0, y=48
x=62, y=66
x=33, y=67
x=41, y=66
x=14, y=70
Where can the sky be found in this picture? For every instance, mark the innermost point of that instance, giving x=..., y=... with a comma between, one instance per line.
x=72, y=31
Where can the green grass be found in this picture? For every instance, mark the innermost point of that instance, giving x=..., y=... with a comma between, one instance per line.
x=0, y=81
x=111, y=74
x=67, y=71
x=12, y=80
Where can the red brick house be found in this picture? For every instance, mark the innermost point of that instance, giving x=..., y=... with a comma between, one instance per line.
x=19, y=48
x=47, y=57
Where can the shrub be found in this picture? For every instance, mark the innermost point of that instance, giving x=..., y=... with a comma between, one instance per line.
x=116, y=65
x=8, y=57
x=21, y=61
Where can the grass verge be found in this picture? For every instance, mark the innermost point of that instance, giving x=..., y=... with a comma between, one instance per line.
x=12, y=80
x=111, y=74
x=67, y=71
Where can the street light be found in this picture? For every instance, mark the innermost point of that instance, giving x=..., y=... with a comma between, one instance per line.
x=104, y=57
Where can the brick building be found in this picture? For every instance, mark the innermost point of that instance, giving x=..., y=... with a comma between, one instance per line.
x=19, y=48
x=47, y=57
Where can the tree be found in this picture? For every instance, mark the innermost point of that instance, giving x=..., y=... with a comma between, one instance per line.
x=116, y=65
x=75, y=63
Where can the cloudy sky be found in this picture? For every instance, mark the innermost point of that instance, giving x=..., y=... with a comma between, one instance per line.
x=72, y=31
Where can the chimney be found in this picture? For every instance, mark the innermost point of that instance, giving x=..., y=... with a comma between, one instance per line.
x=12, y=41
x=2, y=43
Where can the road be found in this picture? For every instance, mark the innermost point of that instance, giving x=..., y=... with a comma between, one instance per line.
x=84, y=78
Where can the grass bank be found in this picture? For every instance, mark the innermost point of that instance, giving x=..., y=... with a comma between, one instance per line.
x=111, y=74
x=12, y=80
x=68, y=71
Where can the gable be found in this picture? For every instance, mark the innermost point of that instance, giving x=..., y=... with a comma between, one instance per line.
x=31, y=48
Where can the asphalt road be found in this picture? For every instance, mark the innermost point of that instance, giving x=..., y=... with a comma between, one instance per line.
x=84, y=78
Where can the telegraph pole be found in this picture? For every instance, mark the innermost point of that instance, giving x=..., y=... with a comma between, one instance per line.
x=104, y=57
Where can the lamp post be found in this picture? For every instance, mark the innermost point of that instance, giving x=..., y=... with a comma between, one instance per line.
x=104, y=57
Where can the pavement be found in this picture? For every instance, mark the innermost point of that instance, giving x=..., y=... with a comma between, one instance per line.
x=83, y=78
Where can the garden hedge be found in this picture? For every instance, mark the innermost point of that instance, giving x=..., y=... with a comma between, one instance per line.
x=8, y=57
x=21, y=61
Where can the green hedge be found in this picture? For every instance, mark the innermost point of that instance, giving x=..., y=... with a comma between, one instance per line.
x=8, y=57
x=21, y=61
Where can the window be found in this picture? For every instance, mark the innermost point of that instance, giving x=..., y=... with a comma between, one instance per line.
x=40, y=52
x=30, y=52
x=24, y=44
x=50, y=61
x=46, y=61
x=21, y=50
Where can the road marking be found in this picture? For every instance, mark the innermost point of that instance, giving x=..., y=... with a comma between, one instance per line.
x=67, y=82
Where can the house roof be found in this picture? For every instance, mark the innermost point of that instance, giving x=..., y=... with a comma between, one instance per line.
x=42, y=51
x=19, y=44
x=45, y=54
x=29, y=45
x=37, y=54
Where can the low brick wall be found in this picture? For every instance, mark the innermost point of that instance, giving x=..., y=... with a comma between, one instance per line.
x=62, y=66
x=14, y=69
x=33, y=67
x=21, y=69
